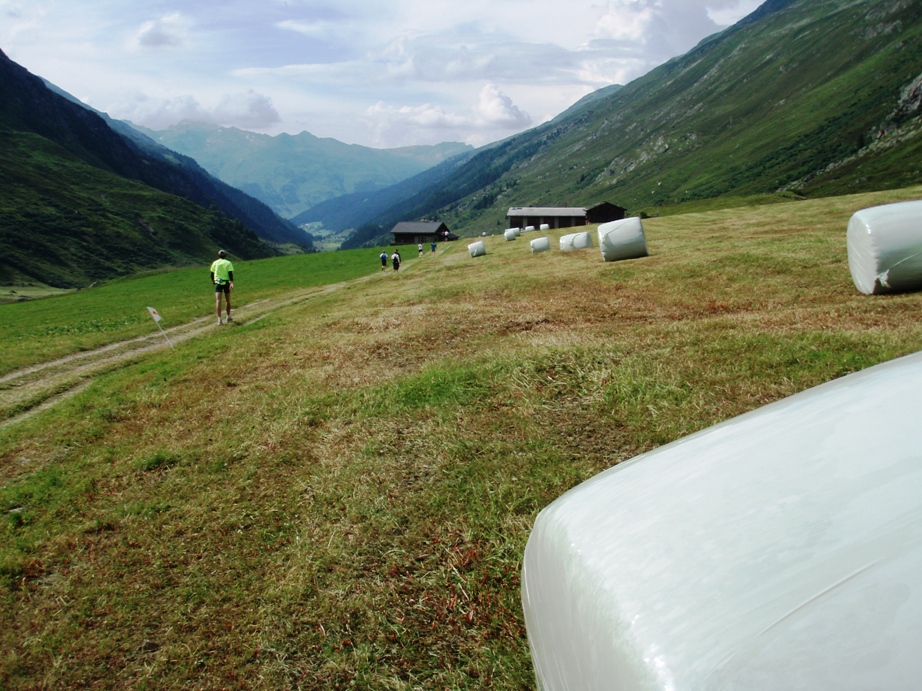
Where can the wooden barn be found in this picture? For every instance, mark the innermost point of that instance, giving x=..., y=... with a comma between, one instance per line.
x=563, y=216
x=415, y=232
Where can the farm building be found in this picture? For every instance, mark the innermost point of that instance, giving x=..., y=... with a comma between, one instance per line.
x=563, y=216
x=413, y=233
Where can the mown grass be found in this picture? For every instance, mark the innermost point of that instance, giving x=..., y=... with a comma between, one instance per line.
x=338, y=496
x=42, y=330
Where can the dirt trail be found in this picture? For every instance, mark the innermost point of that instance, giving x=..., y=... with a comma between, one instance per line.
x=37, y=387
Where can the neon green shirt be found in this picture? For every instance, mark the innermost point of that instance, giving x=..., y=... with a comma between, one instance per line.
x=221, y=269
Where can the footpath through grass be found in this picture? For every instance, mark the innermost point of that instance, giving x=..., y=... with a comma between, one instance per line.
x=338, y=495
x=42, y=330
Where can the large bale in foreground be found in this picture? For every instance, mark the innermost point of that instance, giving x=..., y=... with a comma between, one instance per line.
x=576, y=241
x=540, y=245
x=885, y=248
x=781, y=549
x=477, y=249
x=622, y=239
x=510, y=234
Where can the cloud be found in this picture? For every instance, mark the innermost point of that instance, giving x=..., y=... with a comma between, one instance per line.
x=727, y=12
x=497, y=109
x=494, y=112
x=166, y=32
x=248, y=110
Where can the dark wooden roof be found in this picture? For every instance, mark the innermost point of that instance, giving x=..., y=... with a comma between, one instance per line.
x=418, y=228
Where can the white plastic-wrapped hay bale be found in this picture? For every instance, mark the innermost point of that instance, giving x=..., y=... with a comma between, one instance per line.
x=576, y=241
x=544, y=226
x=540, y=245
x=885, y=248
x=510, y=234
x=778, y=550
x=477, y=249
x=529, y=229
x=622, y=239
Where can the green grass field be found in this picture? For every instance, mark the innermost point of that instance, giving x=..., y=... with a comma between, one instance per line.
x=338, y=495
x=40, y=330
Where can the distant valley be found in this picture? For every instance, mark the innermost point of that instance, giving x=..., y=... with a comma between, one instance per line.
x=292, y=173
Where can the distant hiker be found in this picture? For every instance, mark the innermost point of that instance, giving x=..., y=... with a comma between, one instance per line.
x=420, y=248
x=395, y=260
x=222, y=276
x=433, y=247
x=383, y=261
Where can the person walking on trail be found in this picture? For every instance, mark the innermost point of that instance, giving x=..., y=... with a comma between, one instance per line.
x=383, y=261
x=433, y=247
x=222, y=276
x=395, y=260
x=420, y=248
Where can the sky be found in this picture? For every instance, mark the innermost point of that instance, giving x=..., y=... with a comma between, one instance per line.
x=377, y=73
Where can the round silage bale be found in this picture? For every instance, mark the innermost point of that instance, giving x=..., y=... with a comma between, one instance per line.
x=510, y=234
x=540, y=245
x=622, y=239
x=576, y=241
x=529, y=229
x=477, y=249
x=885, y=248
x=544, y=226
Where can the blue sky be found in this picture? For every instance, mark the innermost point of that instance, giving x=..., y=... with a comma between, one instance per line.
x=381, y=74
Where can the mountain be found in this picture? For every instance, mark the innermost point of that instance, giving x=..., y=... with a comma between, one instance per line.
x=67, y=224
x=81, y=203
x=352, y=210
x=801, y=98
x=292, y=173
x=204, y=188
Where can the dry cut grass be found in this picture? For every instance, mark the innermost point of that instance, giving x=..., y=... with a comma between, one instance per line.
x=338, y=495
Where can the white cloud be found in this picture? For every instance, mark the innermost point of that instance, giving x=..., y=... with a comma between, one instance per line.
x=248, y=110
x=437, y=69
x=624, y=20
x=166, y=32
x=497, y=109
x=728, y=12
x=493, y=113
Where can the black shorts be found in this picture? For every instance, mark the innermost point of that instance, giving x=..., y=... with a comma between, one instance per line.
x=222, y=288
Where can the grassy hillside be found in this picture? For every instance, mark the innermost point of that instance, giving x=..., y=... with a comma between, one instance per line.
x=28, y=105
x=68, y=224
x=337, y=495
x=803, y=99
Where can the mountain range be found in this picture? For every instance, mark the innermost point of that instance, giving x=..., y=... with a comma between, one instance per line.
x=292, y=173
x=83, y=202
x=802, y=98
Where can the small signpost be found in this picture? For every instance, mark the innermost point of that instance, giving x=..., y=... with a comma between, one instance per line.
x=156, y=315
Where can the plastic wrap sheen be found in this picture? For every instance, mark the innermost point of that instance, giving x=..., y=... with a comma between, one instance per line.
x=885, y=248
x=576, y=241
x=622, y=239
x=781, y=549
x=540, y=245
x=477, y=249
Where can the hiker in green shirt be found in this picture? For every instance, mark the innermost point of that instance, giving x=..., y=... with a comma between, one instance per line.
x=222, y=276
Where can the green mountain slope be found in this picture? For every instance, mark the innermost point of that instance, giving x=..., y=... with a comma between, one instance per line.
x=802, y=98
x=68, y=224
x=292, y=173
x=162, y=168
x=351, y=210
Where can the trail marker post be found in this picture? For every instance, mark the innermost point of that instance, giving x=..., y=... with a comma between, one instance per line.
x=156, y=315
